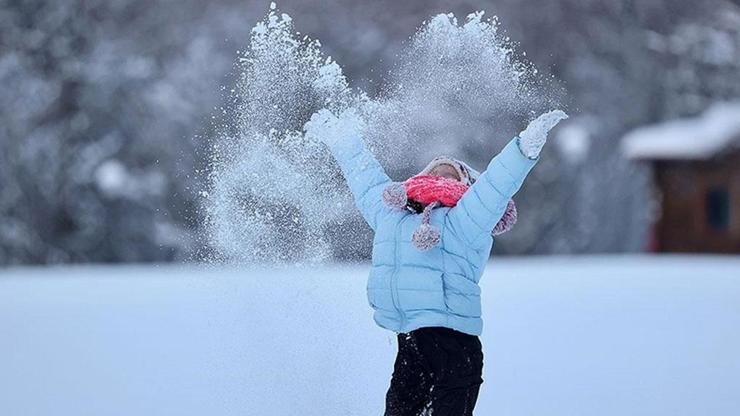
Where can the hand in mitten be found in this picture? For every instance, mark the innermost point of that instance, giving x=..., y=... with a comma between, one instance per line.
x=331, y=130
x=534, y=136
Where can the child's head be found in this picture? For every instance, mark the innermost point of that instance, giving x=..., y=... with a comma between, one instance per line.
x=441, y=183
x=444, y=180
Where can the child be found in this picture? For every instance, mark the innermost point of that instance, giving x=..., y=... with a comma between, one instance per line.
x=433, y=237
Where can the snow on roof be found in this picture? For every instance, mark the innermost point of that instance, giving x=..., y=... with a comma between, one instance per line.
x=691, y=138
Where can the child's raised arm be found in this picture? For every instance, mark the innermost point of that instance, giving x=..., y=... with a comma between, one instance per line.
x=364, y=175
x=485, y=202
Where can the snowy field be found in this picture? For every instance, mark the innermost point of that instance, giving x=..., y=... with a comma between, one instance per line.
x=594, y=336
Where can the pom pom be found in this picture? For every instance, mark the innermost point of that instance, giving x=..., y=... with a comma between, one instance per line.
x=507, y=220
x=394, y=195
x=426, y=237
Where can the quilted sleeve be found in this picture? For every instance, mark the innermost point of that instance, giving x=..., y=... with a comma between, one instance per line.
x=364, y=175
x=485, y=202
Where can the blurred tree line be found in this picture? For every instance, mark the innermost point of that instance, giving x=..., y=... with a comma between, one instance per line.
x=105, y=109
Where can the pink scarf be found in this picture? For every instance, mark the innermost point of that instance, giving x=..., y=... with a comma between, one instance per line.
x=426, y=189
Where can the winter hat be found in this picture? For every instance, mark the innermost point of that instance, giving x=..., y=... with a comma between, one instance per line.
x=467, y=175
x=423, y=192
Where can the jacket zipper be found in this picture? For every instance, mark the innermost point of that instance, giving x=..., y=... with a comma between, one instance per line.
x=394, y=279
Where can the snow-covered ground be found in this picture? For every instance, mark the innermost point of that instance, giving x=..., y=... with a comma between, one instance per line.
x=563, y=336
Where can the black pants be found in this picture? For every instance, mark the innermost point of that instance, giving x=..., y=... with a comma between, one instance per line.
x=437, y=372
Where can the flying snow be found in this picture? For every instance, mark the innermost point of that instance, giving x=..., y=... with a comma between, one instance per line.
x=454, y=84
x=276, y=196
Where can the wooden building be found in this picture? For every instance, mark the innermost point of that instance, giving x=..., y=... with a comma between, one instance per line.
x=696, y=168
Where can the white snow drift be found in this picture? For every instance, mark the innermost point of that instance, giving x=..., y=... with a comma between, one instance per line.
x=607, y=336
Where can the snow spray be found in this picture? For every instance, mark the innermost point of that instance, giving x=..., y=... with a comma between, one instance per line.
x=277, y=197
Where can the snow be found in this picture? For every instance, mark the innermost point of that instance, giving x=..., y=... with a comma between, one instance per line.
x=629, y=335
x=700, y=137
x=456, y=84
x=114, y=179
x=111, y=176
x=453, y=83
x=573, y=140
x=262, y=170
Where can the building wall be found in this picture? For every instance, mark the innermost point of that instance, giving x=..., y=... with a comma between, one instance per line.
x=700, y=205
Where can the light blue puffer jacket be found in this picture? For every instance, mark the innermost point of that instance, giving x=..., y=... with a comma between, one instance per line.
x=408, y=288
